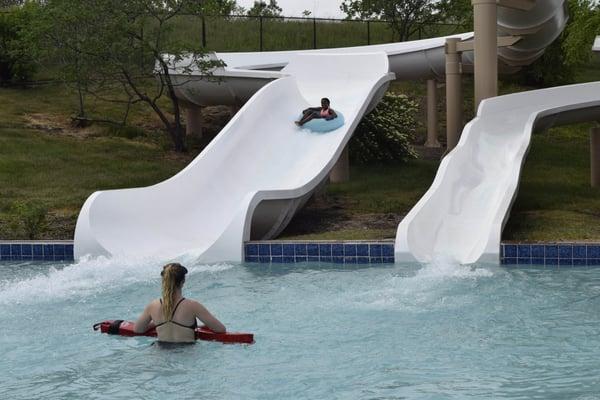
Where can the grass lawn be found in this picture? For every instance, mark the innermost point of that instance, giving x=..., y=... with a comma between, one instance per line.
x=555, y=200
x=60, y=167
x=43, y=160
x=61, y=172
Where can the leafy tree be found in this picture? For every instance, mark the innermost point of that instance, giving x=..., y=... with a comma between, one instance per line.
x=17, y=54
x=385, y=134
x=238, y=10
x=457, y=12
x=581, y=32
x=404, y=16
x=212, y=7
x=550, y=69
x=10, y=3
x=127, y=46
x=571, y=50
x=264, y=9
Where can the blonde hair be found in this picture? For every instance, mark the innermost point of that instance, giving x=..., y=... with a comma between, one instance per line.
x=173, y=276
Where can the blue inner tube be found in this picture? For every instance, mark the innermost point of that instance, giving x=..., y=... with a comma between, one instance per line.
x=322, y=125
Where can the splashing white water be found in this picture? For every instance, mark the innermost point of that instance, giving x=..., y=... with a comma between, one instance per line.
x=441, y=268
x=441, y=283
x=87, y=277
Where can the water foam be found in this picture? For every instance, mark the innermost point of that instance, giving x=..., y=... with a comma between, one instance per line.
x=439, y=284
x=87, y=277
x=441, y=268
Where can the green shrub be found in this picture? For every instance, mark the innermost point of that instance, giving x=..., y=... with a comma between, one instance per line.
x=28, y=218
x=17, y=53
x=550, y=69
x=384, y=135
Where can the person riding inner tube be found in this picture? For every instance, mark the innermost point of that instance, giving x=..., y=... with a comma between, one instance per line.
x=317, y=112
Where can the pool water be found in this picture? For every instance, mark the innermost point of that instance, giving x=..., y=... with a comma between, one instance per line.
x=322, y=332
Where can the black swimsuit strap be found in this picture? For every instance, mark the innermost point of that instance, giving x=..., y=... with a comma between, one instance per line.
x=176, y=305
x=173, y=314
x=193, y=326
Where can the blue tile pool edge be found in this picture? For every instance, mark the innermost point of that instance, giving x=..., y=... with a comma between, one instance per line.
x=554, y=254
x=338, y=252
x=34, y=250
x=559, y=254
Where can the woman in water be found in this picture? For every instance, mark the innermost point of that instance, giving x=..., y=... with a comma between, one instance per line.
x=317, y=112
x=174, y=316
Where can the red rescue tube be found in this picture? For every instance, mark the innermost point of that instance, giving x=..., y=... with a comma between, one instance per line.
x=125, y=328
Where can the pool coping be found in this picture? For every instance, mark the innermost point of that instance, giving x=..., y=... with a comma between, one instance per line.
x=556, y=254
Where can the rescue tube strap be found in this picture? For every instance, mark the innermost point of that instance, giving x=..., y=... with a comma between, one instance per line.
x=113, y=328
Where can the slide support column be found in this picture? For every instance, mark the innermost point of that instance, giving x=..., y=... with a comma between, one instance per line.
x=485, y=15
x=595, y=156
x=454, y=109
x=432, y=118
x=341, y=169
x=193, y=116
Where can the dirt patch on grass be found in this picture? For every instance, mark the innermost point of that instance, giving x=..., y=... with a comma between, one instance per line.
x=61, y=225
x=58, y=125
x=213, y=119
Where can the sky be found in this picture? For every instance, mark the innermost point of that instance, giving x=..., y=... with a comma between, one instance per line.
x=294, y=8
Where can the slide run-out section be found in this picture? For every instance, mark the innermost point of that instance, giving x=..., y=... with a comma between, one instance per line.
x=462, y=214
x=250, y=179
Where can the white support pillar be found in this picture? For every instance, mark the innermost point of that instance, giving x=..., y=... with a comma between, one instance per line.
x=432, y=117
x=193, y=117
x=341, y=170
x=595, y=156
x=454, y=107
x=485, y=15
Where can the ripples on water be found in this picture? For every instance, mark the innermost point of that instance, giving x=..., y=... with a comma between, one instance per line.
x=374, y=332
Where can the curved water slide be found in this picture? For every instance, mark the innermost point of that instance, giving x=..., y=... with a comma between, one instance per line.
x=249, y=180
x=462, y=215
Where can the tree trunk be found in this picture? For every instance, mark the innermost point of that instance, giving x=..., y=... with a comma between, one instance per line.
x=178, y=136
x=81, y=113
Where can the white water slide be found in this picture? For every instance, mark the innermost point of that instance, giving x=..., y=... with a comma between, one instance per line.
x=251, y=177
x=260, y=169
x=462, y=214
